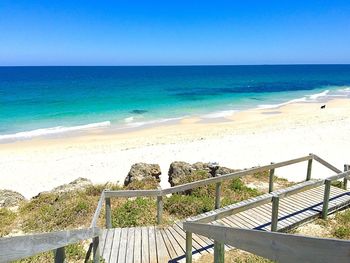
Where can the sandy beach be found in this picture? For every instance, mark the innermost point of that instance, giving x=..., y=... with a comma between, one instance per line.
x=242, y=140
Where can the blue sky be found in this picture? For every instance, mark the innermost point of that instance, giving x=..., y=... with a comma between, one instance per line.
x=74, y=32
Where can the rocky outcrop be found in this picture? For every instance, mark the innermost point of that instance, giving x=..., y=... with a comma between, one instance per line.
x=10, y=198
x=143, y=171
x=76, y=185
x=178, y=171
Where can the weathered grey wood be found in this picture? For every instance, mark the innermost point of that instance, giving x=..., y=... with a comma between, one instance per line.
x=59, y=255
x=132, y=193
x=168, y=244
x=159, y=209
x=327, y=190
x=309, y=168
x=345, y=180
x=13, y=248
x=327, y=164
x=145, y=245
x=152, y=245
x=130, y=247
x=233, y=209
x=123, y=245
x=137, y=245
x=175, y=244
x=108, y=213
x=108, y=242
x=162, y=251
x=276, y=246
x=271, y=175
x=217, y=195
x=254, y=202
x=98, y=210
x=274, y=216
x=339, y=176
x=188, y=247
x=115, y=245
x=219, y=252
x=96, y=249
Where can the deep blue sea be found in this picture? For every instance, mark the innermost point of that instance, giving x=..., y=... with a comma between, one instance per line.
x=49, y=100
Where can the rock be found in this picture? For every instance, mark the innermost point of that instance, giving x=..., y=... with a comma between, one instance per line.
x=224, y=170
x=143, y=171
x=179, y=170
x=77, y=184
x=10, y=198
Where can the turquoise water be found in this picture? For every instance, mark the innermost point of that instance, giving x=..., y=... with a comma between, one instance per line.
x=58, y=99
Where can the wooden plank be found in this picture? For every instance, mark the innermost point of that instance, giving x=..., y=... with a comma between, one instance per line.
x=197, y=243
x=115, y=245
x=145, y=245
x=168, y=245
x=174, y=243
x=179, y=239
x=162, y=252
x=137, y=245
x=103, y=238
x=132, y=193
x=202, y=240
x=123, y=245
x=13, y=248
x=327, y=164
x=106, y=249
x=130, y=246
x=277, y=246
x=152, y=245
x=98, y=210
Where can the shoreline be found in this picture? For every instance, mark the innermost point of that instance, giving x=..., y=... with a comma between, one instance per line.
x=241, y=140
x=217, y=115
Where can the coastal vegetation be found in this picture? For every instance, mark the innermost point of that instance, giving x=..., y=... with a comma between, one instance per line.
x=73, y=205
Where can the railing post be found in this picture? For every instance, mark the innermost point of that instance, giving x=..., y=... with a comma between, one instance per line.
x=159, y=209
x=217, y=195
x=219, y=252
x=96, y=249
x=327, y=189
x=108, y=213
x=188, y=247
x=274, y=217
x=272, y=173
x=345, y=181
x=59, y=255
x=309, y=168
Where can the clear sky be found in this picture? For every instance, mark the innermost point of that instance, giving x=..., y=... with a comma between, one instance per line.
x=74, y=32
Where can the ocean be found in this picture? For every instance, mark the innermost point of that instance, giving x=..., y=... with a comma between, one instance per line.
x=37, y=101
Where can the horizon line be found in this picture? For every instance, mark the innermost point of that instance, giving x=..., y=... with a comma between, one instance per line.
x=179, y=65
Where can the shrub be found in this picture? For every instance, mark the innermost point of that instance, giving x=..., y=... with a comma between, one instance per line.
x=6, y=219
x=138, y=212
x=146, y=184
x=51, y=211
x=188, y=205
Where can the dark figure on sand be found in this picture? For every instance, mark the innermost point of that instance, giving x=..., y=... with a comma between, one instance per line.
x=323, y=106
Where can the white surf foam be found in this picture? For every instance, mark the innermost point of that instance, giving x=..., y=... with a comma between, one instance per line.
x=52, y=130
x=219, y=114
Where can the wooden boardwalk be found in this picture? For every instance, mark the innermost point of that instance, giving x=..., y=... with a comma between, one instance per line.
x=167, y=244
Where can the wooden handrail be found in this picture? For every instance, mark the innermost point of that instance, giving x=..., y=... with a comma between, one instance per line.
x=14, y=248
x=279, y=247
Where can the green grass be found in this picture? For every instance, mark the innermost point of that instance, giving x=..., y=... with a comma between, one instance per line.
x=7, y=218
x=342, y=227
x=183, y=206
x=74, y=253
x=138, y=212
